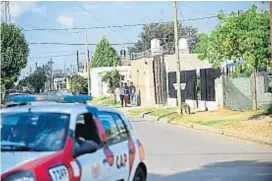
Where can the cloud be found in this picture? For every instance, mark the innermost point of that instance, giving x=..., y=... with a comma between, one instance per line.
x=19, y=8
x=66, y=21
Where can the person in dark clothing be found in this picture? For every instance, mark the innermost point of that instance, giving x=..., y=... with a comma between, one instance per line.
x=132, y=93
x=126, y=94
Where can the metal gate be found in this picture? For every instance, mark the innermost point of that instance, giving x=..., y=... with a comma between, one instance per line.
x=189, y=78
x=160, y=80
x=207, y=83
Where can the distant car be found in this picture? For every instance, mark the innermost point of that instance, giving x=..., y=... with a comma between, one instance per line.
x=69, y=141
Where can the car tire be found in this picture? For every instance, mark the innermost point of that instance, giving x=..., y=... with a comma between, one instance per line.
x=139, y=175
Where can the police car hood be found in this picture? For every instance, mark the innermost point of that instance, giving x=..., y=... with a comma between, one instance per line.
x=11, y=160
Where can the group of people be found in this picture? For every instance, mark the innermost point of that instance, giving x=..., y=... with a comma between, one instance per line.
x=127, y=94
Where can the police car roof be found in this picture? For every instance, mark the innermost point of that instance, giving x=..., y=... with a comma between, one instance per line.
x=66, y=108
x=105, y=108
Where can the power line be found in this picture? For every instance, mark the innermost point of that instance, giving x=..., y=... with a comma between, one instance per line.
x=92, y=44
x=79, y=5
x=117, y=26
x=67, y=55
x=179, y=10
x=122, y=36
x=207, y=12
x=48, y=53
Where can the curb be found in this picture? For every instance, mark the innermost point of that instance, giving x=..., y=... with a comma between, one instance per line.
x=164, y=119
x=151, y=117
x=219, y=131
x=145, y=114
x=141, y=115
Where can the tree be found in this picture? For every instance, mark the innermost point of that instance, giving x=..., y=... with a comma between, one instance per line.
x=14, y=53
x=36, y=80
x=10, y=84
x=24, y=83
x=112, y=78
x=239, y=37
x=164, y=32
x=78, y=84
x=270, y=13
x=105, y=55
x=270, y=19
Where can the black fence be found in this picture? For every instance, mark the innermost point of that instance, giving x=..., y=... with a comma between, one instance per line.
x=207, y=83
x=190, y=78
x=206, y=87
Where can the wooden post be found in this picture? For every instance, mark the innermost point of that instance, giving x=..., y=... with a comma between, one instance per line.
x=178, y=74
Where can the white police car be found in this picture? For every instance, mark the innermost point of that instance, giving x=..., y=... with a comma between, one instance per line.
x=69, y=141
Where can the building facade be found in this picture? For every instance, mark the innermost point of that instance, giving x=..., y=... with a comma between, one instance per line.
x=99, y=88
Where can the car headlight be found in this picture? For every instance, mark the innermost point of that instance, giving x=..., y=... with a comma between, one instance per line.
x=21, y=176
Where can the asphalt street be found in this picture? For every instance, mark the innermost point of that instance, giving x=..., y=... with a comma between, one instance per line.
x=177, y=154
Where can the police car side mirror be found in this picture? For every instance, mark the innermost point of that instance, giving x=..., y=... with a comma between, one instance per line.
x=87, y=146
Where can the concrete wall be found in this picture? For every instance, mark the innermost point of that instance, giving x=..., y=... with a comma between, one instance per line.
x=143, y=77
x=219, y=93
x=235, y=93
x=99, y=88
x=187, y=62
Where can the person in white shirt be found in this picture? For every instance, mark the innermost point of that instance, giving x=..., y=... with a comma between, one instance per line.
x=121, y=93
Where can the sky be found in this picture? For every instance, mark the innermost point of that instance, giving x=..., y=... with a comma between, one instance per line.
x=74, y=14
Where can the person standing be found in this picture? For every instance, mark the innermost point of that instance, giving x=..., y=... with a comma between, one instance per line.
x=121, y=93
x=132, y=93
x=126, y=94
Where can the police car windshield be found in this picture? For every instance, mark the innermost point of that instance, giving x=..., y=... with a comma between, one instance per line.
x=33, y=131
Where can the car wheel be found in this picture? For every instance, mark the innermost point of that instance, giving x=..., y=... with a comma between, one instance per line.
x=139, y=175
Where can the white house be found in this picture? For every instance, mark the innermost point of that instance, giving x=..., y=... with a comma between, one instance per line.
x=99, y=88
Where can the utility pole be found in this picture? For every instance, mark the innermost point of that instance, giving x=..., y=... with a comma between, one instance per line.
x=88, y=63
x=51, y=73
x=89, y=55
x=30, y=70
x=64, y=67
x=77, y=62
x=178, y=74
x=6, y=11
x=239, y=11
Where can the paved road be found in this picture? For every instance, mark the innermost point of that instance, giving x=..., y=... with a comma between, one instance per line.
x=177, y=154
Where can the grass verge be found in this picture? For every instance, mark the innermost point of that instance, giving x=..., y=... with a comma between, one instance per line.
x=241, y=121
x=140, y=111
x=105, y=101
